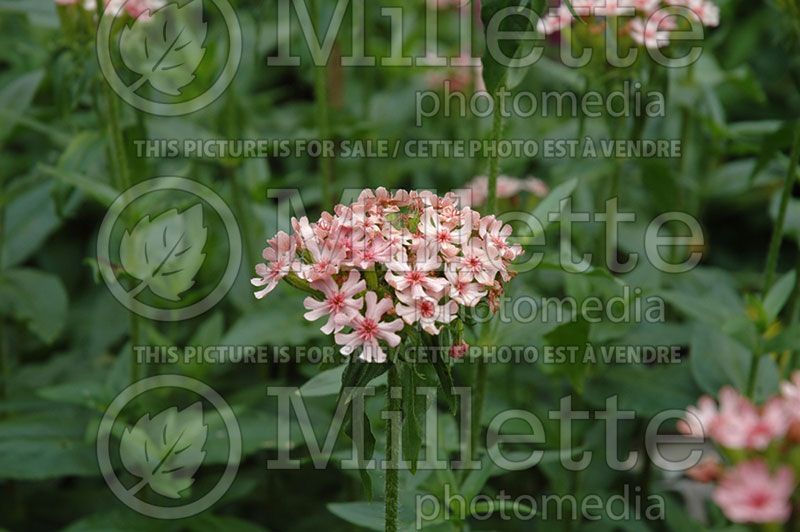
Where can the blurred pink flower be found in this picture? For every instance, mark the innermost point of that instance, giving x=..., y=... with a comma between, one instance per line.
x=698, y=419
x=459, y=350
x=477, y=190
x=790, y=391
x=738, y=423
x=708, y=470
x=647, y=33
x=750, y=494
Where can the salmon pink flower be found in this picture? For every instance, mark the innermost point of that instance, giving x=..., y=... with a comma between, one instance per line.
x=280, y=254
x=478, y=262
x=462, y=290
x=699, y=419
x=647, y=33
x=426, y=311
x=790, y=391
x=339, y=304
x=416, y=278
x=447, y=235
x=423, y=255
x=740, y=425
x=368, y=330
x=459, y=350
x=751, y=494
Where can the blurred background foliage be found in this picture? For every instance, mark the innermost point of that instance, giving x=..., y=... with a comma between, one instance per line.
x=67, y=343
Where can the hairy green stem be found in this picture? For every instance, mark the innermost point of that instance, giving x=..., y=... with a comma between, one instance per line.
x=323, y=116
x=780, y=219
x=494, y=160
x=392, y=492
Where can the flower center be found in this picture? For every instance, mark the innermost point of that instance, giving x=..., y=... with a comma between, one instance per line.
x=415, y=277
x=336, y=302
x=367, y=329
x=474, y=263
x=759, y=499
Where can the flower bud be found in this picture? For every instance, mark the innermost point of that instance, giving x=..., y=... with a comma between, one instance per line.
x=459, y=349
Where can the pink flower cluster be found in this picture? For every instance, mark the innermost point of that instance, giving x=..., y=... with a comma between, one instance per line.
x=390, y=261
x=757, y=488
x=477, y=190
x=651, y=21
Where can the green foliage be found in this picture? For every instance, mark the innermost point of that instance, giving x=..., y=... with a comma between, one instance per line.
x=67, y=346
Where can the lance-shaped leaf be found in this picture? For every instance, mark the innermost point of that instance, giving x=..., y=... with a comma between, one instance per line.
x=165, y=47
x=165, y=451
x=165, y=253
x=505, y=23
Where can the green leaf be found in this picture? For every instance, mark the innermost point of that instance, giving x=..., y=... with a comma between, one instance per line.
x=45, y=445
x=414, y=406
x=768, y=380
x=366, y=514
x=779, y=294
x=359, y=374
x=327, y=382
x=30, y=218
x=551, y=203
x=495, y=72
x=103, y=193
x=718, y=360
x=17, y=95
x=35, y=298
x=120, y=521
x=573, y=333
x=365, y=447
x=446, y=385
x=646, y=391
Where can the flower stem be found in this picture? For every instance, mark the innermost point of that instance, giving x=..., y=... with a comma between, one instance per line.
x=392, y=493
x=119, y=163
x=494, y=160
x=775, y=246
x=323, y=116
x=479, y=390
x=780, y=219
x=794, y=320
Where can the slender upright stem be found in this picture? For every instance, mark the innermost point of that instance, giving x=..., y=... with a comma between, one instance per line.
x=774, y=248
x=479, y=389
x=780, y=219
x=109, y=114
x=323, y=116
x=392, y=493
x=494, y=160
